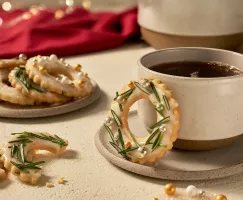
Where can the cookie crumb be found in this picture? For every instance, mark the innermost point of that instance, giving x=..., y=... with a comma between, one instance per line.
x=49, y=185
x=61, y=180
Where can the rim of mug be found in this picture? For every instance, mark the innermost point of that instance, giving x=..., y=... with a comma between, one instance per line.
x=215, y=79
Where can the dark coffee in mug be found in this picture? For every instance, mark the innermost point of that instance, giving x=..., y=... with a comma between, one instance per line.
x=197, y=69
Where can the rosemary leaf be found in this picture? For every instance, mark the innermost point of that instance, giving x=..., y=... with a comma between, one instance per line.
x=152, y=136
x=166, y=102
x=128, y=150
x=21, y=150
x=120, y=106
x=161, y=135
x=155, y=91
x=110, y=133
x=121, y=139
x=118, y=122
x=160, y=112
x=125, y=94
x=166, y=119
x=29, y=135
x=115, y=146
x=141, y=87
x=156, y=140
x=34, y=87
x=23, y=85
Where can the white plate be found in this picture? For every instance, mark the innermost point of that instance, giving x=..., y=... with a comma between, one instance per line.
x=177, y=164
x=15, y=111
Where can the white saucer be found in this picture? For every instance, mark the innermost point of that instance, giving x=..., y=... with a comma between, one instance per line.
x=177, y=164
x=16, y=111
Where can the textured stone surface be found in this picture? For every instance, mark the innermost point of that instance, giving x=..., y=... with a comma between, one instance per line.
x=88, y=174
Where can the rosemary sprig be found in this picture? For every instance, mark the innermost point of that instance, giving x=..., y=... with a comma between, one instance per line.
x=164, y=120
x=117, y=120
x=155, y=91
x=25, y=167
x=152, y=136
x=141, y=88
x=120, y=106
x=17, y=152
x=124, y=151
x=119, y=150
x=25, y=81
x=124, y=94
x=157, y=141
x=121, y=139
x=160, y=112
x=110, y=133
x=166, y=102
x=28, y=135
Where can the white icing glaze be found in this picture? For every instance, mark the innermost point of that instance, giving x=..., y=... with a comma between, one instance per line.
x=56, y=67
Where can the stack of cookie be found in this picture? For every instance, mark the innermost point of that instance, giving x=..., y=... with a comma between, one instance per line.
x=42, y=79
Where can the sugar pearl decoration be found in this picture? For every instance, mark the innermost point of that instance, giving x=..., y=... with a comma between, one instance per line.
x=221, y=197
x=77, y=67
x=65, y=80
x=53, y=57
x=128, y=145
x=192, y=191
x=42, y=69
x=143, y=150
x=22, y=56
x=202, y=193
x=116, y=137
x=109, y=121
x=41, y=61
x=170, y=189
x=80, y=74
x=130, y=84
x=120, y=99
x=145, y=83
x=162, y=128
x=159, y=106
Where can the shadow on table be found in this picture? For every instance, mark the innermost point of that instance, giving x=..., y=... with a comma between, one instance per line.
x=100, y=105
x=233, y=183
x=4, y=183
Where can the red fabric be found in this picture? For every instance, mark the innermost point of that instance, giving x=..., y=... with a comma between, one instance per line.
x=78, y=32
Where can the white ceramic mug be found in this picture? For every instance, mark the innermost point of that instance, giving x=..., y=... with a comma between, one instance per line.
x=210, y=108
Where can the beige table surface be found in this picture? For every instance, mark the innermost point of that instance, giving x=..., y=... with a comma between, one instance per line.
x=88, y=174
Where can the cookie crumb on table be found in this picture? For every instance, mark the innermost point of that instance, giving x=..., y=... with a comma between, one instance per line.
x=49, y=184
x=61, y=180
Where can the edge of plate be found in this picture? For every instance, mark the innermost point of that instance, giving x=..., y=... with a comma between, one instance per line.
x=163, y=174
x=52, y=111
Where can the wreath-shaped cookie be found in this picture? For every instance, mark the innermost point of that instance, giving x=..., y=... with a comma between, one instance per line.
x=59, y=77
x=164, y=131
x=19, y=152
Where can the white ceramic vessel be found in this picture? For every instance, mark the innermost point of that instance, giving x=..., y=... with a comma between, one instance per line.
x=211, y=108
x=192, y=17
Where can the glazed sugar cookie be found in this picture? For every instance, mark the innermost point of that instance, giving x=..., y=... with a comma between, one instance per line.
x=15, y=62
x=19, y=80
x=10, y=94
x=164, y=131
x=59, y=77
x=19, y=152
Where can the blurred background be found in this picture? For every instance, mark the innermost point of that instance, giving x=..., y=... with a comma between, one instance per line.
x=115, y=5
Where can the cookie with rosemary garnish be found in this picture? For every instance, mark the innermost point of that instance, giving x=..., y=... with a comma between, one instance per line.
x=14, y=62
x=19, y=153
x=10, y=94
x=59, y=77
x=163, y=132
x=20, y=80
